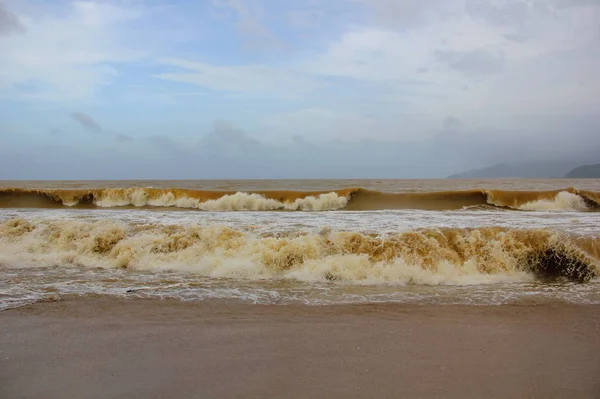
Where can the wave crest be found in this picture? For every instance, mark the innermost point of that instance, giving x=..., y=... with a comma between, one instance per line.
x=569, y=199
x=228, y=202
x=563, y=201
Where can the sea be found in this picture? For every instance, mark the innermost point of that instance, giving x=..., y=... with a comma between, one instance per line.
x=313, y=242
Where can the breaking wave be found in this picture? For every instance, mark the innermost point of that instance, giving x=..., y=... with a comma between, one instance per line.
x=569, y=199
x=418, y=257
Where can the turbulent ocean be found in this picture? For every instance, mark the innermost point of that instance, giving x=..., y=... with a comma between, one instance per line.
x=302, y=241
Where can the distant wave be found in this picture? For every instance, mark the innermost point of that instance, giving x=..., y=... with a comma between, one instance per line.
x=569, y=199
x=448, y=256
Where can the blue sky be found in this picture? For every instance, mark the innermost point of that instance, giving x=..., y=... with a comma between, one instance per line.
x=282, y=88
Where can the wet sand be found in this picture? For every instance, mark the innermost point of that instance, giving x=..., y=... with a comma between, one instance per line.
x=111, y=348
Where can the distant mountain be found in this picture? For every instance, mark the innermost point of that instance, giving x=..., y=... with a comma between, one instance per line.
x=585, y=171
x=536, y=170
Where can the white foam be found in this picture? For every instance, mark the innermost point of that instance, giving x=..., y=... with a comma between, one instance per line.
x=563, y=201
x=221, y=251
x=239, y=201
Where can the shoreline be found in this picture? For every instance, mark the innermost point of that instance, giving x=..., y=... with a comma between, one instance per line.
x=109, y=347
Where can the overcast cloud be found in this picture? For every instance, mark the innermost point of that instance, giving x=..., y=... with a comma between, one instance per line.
x=264, y=89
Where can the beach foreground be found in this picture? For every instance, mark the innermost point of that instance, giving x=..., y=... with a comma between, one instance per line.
x=113, y=348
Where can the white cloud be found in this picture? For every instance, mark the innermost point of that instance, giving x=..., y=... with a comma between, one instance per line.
x=358, y=68
x=65, y=56
x=481, y=59
x=501, y=50
x=251, y=79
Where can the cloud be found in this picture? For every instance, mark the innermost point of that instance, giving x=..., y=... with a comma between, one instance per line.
x=363, y=84
x=171, y=147
x=476, y=62
x=304, y=144
x=229, y=152
x=11, y=130
x=405, y=14
x=56, y=132
x=67, y=52
x=452, y=123
x=9, y=22
x=254, y=33
x=227, y=140
x=577, y=3
x=162, y=141
x=505, y=13
x=305, y=18
x=123, y=138
x=370, y=54
x=261, y=79
x=323, y=124
x=87, y=122
x=532, y=139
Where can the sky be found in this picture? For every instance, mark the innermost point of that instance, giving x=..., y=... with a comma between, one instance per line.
x=196, y=89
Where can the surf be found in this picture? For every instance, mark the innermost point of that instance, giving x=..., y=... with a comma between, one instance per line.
x=443, y=256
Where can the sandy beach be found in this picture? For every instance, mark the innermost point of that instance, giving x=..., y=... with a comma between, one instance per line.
x=113, y=348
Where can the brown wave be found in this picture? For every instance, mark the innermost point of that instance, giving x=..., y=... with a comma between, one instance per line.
x=483, y=199
x=422, y=256
x=349, y=199
x=148, y=197
x=363, y=200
